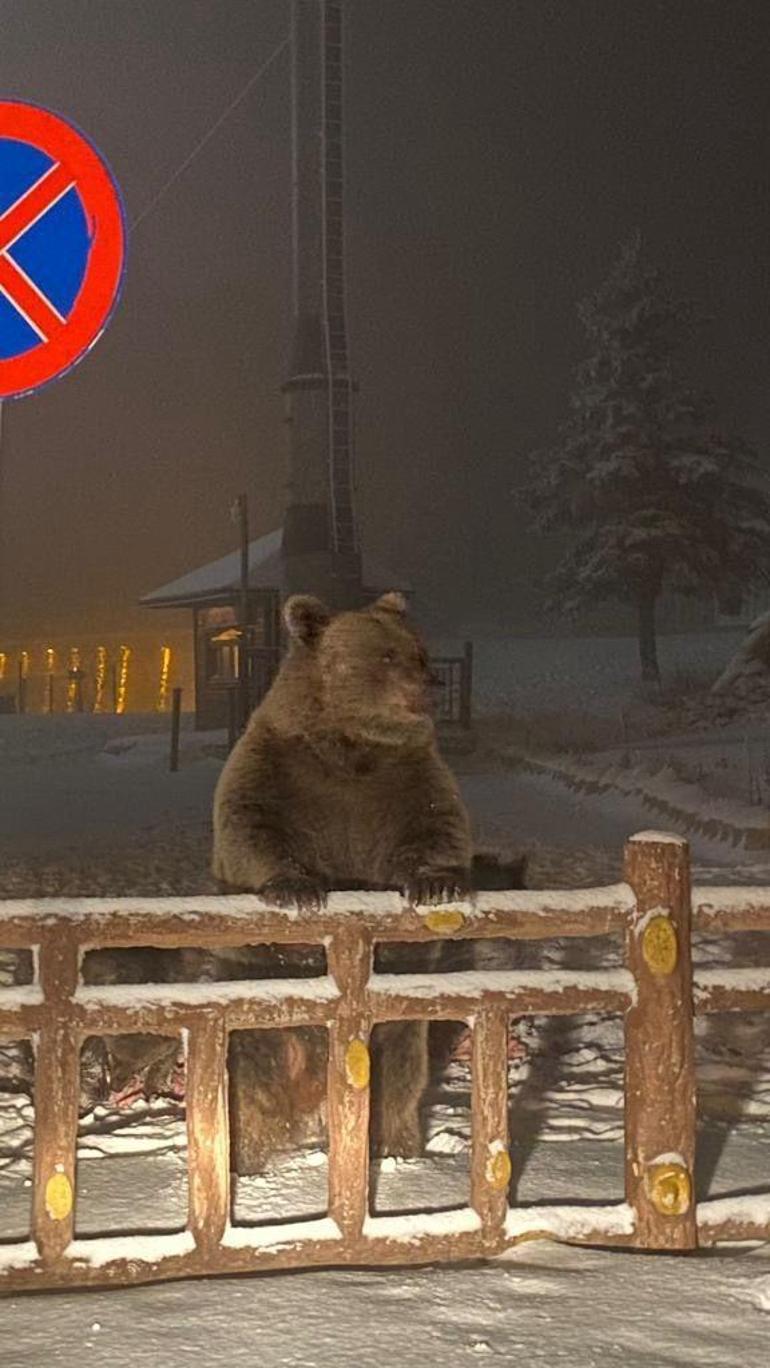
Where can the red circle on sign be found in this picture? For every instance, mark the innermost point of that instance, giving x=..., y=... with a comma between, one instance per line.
x=100, y=200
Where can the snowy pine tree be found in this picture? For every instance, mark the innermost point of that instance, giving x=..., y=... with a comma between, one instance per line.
x=650, y=493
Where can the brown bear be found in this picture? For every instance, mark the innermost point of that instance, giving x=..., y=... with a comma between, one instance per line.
x=337, y=778
x=337, y=782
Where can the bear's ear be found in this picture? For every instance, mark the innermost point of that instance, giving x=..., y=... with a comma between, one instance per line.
x=391, y=603
x=305, y=618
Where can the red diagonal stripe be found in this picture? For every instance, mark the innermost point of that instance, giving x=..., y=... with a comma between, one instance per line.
x=28, y=300
x=33, y=203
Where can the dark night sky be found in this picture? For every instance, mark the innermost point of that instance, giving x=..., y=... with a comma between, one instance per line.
x=498, y=152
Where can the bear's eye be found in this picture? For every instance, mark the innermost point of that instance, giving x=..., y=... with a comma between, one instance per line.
x=389, y=657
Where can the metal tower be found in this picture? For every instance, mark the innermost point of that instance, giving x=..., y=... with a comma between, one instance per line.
x=320, y=549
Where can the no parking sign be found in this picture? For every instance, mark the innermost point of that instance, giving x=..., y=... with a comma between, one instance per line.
x=62, y=247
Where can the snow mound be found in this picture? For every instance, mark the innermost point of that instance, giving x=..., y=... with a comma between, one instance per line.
x=758, y=1293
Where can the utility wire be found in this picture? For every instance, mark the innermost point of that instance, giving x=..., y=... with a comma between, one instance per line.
x=252, y=81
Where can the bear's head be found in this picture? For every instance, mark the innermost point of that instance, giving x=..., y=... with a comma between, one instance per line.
x=370, y=669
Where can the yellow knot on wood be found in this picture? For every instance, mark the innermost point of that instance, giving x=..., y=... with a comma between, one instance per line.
x=58, y=1196
x=357, y=1064
x=444, y=920
x=659, y=946
x=670, y=1189
x=498, y=1170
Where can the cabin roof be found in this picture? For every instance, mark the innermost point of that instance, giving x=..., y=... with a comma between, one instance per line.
x=221, y=578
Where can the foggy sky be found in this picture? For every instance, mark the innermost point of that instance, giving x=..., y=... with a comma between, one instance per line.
x=497, y=154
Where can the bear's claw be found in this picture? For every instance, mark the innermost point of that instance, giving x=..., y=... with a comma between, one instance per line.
x=436, y=888
x=294, y=890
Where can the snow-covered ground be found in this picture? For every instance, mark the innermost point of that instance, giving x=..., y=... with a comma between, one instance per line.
x=75, y=818
x=546, y=1305
x=595, y=674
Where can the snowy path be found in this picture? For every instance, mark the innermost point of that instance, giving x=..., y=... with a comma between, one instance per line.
x=518, y=809
x=115, y=797
x=505, y=804
x=102, y=796
x=545, y=1305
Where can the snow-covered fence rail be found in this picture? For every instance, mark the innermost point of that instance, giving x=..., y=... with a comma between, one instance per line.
x=655, y=990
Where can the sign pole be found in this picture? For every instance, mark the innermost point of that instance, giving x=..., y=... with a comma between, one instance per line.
x=243, y=613
x=243, y=516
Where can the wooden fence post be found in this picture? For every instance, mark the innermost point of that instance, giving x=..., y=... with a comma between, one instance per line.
x=350, y=963
x=208, y=1139
x=660, y=1069
x=57, y=1089
x=490, y=1162
x=176, y=713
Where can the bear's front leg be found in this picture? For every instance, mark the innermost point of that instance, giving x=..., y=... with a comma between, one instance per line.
x=253, y=850
x=432, y=857
x=255, y=833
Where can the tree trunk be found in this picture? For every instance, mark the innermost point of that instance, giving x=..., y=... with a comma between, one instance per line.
x=648, y=648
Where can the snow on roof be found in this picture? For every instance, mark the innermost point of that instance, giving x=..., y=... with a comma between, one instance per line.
x=222, y=577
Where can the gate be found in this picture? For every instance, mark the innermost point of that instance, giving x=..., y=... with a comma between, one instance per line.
x=454, y=675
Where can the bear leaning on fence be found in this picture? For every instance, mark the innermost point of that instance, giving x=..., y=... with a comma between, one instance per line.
x=337, y=782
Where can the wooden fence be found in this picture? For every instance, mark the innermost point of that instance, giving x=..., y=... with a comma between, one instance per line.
x=656, y=991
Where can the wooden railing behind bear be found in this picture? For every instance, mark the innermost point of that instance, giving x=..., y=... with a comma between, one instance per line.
x=655, y=990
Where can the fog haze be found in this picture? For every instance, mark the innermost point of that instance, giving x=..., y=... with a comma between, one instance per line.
x=497, y=154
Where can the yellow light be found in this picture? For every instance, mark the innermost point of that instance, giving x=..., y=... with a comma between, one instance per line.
x=50, y=661
x=123, y=656
x=24, y=662
x=72, y=688
x=165, y=666
x=3, y=659
x=101, y=676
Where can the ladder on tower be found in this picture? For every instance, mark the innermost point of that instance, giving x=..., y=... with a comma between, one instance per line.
x=340, y=395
